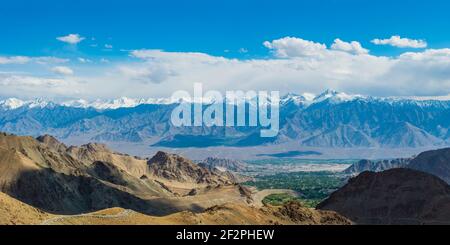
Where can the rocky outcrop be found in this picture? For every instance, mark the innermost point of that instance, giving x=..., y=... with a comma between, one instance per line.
x=299, y=214
x=92, y=152
x=177, y=168
x=52, y=143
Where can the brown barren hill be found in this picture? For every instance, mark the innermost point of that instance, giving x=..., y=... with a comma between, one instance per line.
x=92, y=152
x=395, y=196
x=47, y=174
x=91, y=184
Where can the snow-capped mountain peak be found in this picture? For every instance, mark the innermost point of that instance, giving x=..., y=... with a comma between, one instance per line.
x=14, y=103
x=122, y=102
x=11, y=103
x=39, y=103
x=80, y=103
x=335, y=96
x=294, y=98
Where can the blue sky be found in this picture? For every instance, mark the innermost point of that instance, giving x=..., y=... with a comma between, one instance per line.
x=30, y=27
x=110, y=31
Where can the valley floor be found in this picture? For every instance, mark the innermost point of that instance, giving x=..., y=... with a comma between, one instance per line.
x=264, y=151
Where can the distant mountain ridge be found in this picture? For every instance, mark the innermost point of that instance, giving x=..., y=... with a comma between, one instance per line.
x=435, y=162
x=331, y=119
x=376, y=166
x=223, y=164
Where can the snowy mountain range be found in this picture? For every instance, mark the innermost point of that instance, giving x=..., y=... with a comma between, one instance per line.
x=330, y=119
x=124, y=102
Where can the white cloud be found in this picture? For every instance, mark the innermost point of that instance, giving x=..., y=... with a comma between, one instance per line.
x=7, y=60
x=71, y=38
x=400, y=42
x=307, y=67
x=14, y=60
x=50, y=60
x=441, y=55
x=353, y=73
x=84, y=60
x=289, y=47
x=24, y=81
x=27, y=86
x=62, y=70
x=243, y=50
x=148, y=73
x=353, y=47
x=299, y=74
x=108, y=46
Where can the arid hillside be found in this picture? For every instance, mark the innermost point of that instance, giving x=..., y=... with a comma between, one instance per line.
x=13, y=211
x=395, y=196
x=60, y=179
x=46, y=182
